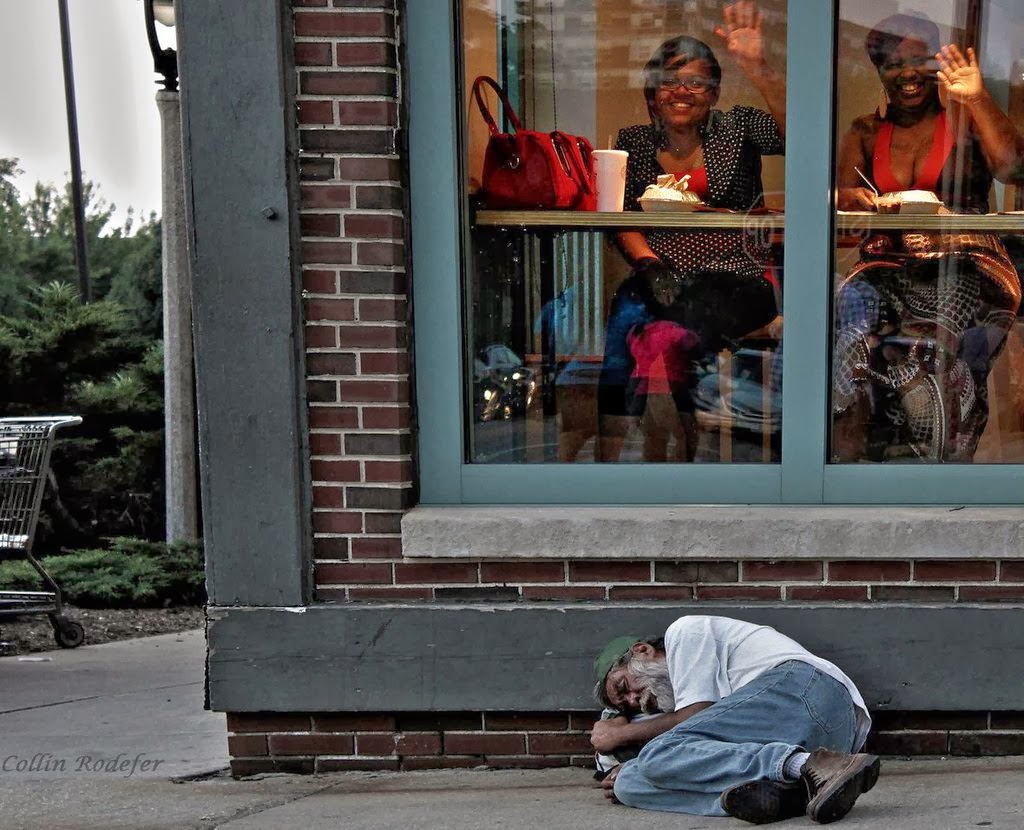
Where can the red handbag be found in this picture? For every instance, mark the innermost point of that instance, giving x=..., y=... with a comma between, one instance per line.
x=527, y=170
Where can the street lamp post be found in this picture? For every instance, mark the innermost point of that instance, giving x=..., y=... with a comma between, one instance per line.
x=179, y=381
x=77, y=203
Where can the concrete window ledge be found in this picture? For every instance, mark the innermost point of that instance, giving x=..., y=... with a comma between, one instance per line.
x=707, y=532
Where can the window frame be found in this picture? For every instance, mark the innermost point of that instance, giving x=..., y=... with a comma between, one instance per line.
x=440, y=228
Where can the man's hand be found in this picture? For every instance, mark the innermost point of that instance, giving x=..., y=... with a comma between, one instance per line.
x=959, y=77
x=741, y=33
x=608, y=784
x=607, y=735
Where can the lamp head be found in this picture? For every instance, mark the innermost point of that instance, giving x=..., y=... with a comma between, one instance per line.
x=163, y=11
x=165, y=60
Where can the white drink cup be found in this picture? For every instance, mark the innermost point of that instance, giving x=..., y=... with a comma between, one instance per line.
x=610, y=172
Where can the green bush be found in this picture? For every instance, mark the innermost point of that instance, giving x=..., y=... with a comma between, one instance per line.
x=64, y=357
x=102, y=360
x=132, y=573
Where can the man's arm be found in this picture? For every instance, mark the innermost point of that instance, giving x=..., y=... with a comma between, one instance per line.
x=608, y=735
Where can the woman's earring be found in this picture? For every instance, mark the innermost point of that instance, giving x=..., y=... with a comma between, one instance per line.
x=883, y=103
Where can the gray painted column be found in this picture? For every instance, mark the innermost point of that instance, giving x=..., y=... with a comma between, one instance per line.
x=241, y=188
x=179, y=384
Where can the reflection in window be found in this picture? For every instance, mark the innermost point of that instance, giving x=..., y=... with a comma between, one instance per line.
x=928, y=361
x=654, y=337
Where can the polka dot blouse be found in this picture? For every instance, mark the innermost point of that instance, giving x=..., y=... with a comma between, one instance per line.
x=733, y=144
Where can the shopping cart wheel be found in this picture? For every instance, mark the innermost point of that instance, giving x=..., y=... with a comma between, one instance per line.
x=68, y=634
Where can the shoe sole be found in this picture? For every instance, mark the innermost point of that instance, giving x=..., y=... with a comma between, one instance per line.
x=765, y=802
x=834, y=802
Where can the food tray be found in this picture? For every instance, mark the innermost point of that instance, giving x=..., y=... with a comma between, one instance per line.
x=669, y=205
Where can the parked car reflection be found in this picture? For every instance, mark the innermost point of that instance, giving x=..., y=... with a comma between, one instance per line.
x=503, y=386
x=748, y=397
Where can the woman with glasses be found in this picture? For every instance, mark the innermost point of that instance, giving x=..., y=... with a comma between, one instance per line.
x=908, y=379
x=718, y=284
x=936, y=129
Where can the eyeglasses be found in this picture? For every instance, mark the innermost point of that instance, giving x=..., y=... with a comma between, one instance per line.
x=698, y=86
x=924, y=62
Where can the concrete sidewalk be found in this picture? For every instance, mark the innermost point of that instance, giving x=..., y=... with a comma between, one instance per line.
x=910, y=796
x=73, y=712
x=142, y=699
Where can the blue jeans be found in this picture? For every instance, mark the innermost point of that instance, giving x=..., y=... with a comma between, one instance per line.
x=746, y=736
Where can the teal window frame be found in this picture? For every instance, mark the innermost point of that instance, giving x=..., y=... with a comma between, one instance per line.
x=439, y=231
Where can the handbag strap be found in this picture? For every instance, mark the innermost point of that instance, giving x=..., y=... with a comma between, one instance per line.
x=578, y=172
x=481, y=102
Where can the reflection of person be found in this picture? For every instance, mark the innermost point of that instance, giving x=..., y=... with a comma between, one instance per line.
x=752, y=724
x=917, y=143
x=577, y=377
x=721, y=152
x=900, y=384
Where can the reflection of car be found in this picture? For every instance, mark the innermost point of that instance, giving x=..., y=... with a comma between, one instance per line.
x=503, y=387
x=748, y=404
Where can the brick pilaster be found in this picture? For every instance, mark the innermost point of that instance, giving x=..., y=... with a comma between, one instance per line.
x=353, y=221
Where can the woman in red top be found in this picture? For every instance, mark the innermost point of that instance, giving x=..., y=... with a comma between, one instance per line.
x=939, y=131
x=902, y=388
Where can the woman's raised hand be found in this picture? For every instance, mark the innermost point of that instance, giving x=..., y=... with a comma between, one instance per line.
x=741, y=32
x=959, y=77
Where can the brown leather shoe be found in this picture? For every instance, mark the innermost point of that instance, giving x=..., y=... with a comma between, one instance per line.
x=834, y=782
x=763, y=802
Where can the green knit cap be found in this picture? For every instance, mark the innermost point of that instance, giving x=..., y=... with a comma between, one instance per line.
x=612, y=652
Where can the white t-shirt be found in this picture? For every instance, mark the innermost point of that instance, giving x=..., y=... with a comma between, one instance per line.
x=711, y=657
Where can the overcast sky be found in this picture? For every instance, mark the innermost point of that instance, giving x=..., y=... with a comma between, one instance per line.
x=119, y=126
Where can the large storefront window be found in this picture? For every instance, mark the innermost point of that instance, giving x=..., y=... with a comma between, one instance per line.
x=928, y=344
x=634, y=356
x=649, y=329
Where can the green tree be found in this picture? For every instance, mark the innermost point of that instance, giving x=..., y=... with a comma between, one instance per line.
x=61, y=356
x=14, y=241
x=136, y=282
x=102, y=360
x=37, y=246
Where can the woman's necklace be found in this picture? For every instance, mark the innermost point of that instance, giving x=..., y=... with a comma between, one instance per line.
x=683, y=158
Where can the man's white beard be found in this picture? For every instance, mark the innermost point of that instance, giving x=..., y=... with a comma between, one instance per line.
x=653, y=674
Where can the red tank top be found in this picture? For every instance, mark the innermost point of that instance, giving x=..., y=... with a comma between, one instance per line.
x=931, y=171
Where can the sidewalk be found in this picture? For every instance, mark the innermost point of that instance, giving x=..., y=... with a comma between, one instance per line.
x=89, y=705
x=119, y=701
x=909, y=796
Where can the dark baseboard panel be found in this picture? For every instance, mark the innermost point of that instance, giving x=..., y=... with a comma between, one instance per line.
x=395, y=658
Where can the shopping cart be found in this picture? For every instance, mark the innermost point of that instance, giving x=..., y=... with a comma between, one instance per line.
x=25, y=447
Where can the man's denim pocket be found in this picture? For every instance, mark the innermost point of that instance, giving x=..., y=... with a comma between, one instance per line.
x=828, y=702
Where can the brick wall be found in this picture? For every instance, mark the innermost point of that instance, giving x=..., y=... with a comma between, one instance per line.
x=308, y=743
x=354, y=276
x=353, y=220
x=384, y=576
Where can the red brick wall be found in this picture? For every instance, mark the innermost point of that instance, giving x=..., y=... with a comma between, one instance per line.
x=354, y=275
x=501, y=740
x=387, y=576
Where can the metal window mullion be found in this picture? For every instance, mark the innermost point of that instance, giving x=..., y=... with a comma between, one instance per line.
x=435, y=192
x=808, y=248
